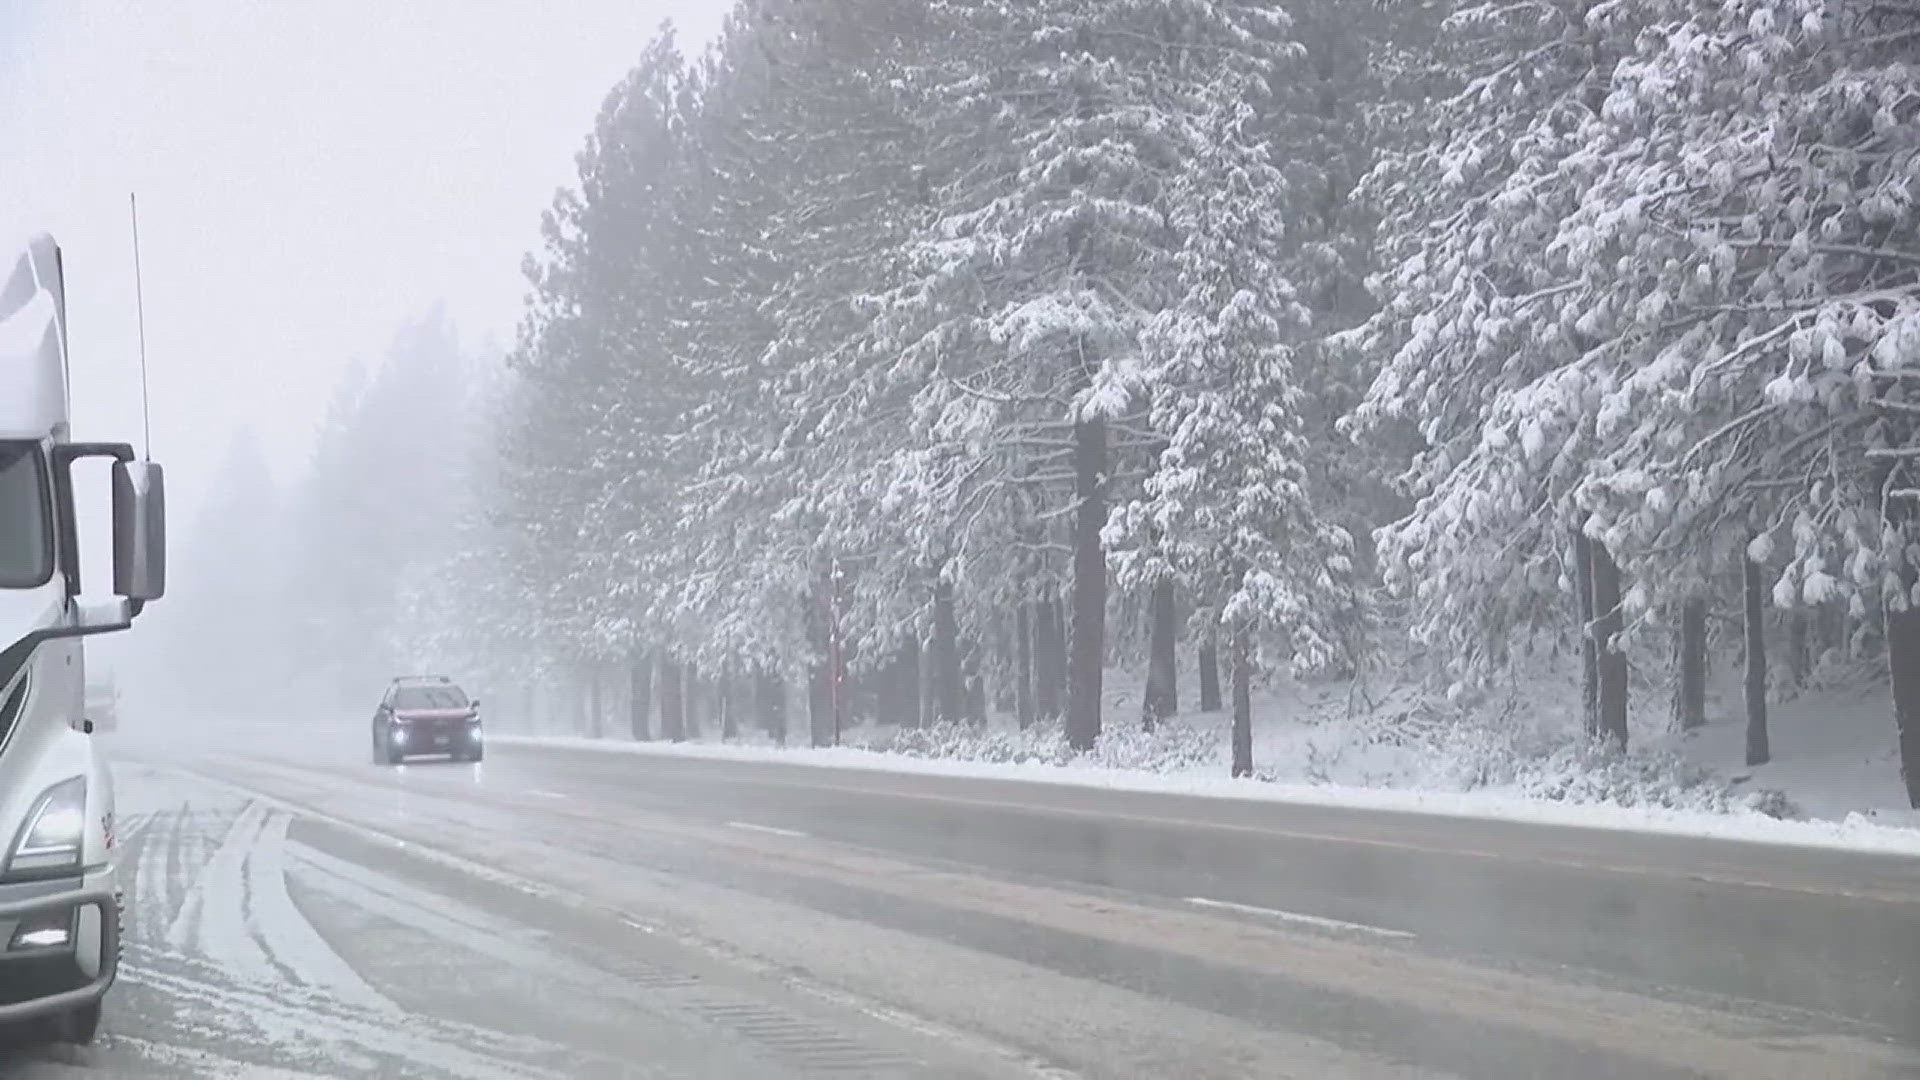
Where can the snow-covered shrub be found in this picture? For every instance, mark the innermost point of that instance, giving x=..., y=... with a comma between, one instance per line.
x=1174, y=746
x=1042, y=744
x=1582, y=772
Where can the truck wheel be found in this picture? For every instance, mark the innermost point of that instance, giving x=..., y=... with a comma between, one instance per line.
x=78, y=1026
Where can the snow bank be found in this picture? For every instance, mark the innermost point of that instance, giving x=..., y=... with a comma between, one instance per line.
x=1517, y=754
x=1734, y=824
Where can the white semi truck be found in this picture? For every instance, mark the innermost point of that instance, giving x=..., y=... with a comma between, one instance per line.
x=59, y=889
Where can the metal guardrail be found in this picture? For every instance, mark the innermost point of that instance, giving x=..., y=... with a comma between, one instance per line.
x=101, y=897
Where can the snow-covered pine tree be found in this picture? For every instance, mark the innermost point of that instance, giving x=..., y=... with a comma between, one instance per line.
x=1501, y=323
x=1780, y=191
x=1664, y=275
x=1228, y=498
x=1058, y=132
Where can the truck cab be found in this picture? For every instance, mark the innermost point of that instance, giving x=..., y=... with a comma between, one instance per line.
x=59, y=888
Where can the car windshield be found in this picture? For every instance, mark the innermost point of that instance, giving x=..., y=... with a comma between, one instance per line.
x=429, y=697
x=26, y=541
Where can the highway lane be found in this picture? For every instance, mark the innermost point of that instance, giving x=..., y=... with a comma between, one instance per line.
x=1109, y=933
x=262, y=942
x=1828, y=931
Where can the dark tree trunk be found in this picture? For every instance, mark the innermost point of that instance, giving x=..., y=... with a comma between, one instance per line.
x=1023, y=665
x=693, y=702
x=1242, y=663
x=1162, y=698
x=596, y=717
x=819, y=704
x=1903, y=661
x=771, y=702
x=911, y=715
x=673, y=716
x=730, y=699
x=1001, y=671
x=1758, y=753
x=949, y=693
x=819, y=627
x=641, y=701
x=1799, y=649
x=1831, y=629
x=1087, y=645
x=1050, y=659
x=929, y=709
x=973, y=683
x=1609, y=622
x=1210, y=671
x=1589, y=653
x=1690, y=701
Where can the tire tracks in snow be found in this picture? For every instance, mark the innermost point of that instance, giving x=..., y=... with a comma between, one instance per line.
x=218, y=934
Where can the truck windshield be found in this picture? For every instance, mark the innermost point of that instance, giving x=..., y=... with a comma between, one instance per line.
x=26, y=532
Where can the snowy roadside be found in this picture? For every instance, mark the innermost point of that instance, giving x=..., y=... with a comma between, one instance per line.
x=1855, y=832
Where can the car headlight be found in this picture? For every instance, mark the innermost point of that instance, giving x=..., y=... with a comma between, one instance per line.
x=399, y=734
x=54, y=832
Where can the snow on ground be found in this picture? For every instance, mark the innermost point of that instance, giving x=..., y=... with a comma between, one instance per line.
x=1513, y=754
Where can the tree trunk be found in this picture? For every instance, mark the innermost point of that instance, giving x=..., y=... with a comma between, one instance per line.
x=929, y=710
x=1609, y=623
x=1088, y=642
x=1690, y=701
x=726, y=706
x=1242, y=662
x=949, y=693
x=641, y=701
x=673, y=717
x=1023, y=665
x=692, y=702
x=1050, y=659
x=1162, y=698
x=911, y=714
x=1903, y=661
x=1758, y=752
x=973, y=682
x=1589, y=654
x=820, y=703
x=596, y=717
x=1003, y=671
x=1799, y=649
x=1210, y=671
x=772, y=705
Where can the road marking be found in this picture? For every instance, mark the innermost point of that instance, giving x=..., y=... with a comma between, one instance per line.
x=547, y=794
x=1422, y=847
x=1298, y=917
x=751, y=827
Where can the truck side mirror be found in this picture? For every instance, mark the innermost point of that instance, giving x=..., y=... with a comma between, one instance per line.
x=139, y=531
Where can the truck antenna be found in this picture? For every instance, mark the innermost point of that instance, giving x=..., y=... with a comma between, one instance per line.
x=140, y=305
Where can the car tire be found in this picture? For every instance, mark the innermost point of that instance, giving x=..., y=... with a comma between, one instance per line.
x=77, y=1026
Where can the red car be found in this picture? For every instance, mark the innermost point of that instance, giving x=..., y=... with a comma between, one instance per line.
x=425, y=715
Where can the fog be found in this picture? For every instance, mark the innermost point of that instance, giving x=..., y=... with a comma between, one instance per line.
x=312, y=179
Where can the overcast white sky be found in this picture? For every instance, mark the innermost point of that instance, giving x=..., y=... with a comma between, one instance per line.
x=310, y=175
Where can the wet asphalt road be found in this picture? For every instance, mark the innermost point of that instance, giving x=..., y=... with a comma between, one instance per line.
x=572, y=913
